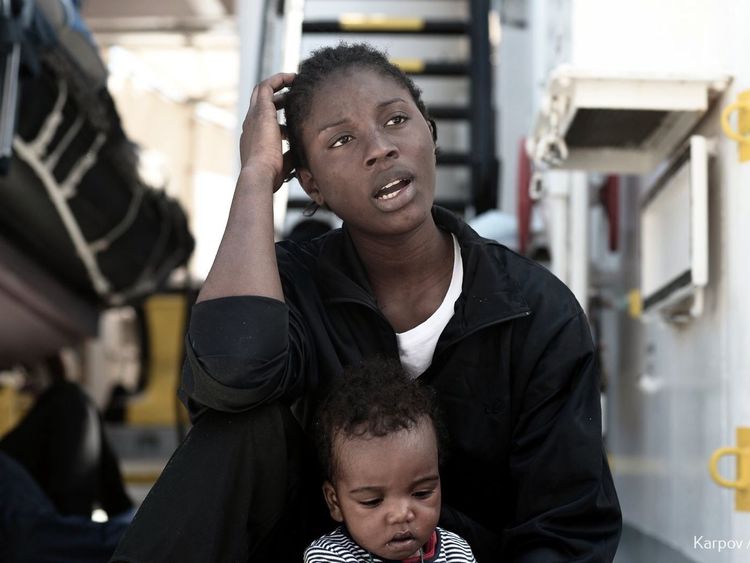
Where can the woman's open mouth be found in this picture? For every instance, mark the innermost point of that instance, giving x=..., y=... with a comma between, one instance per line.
x=392, y=189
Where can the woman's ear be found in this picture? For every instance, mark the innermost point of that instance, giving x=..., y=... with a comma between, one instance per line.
x=308, y=184
x=329, y=493
x=433, y=129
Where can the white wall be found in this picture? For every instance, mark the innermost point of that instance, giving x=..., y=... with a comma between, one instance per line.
x=643, y=35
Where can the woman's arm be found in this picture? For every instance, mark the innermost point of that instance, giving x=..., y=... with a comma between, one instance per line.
x=245, y=263
x=245, y=346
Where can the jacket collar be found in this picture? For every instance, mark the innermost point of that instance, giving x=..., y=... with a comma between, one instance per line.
x=489, y=294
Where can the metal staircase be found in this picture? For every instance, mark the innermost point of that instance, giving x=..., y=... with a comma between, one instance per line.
x=477, y=155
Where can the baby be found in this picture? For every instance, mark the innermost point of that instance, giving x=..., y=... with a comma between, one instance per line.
x=378, y=442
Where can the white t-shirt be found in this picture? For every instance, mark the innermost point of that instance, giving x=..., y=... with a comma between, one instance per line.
x=417, y=345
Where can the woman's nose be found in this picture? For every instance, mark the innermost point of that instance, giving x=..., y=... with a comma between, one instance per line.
x=379, y=147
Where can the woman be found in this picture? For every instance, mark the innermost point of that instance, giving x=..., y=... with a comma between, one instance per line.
x=504, y=343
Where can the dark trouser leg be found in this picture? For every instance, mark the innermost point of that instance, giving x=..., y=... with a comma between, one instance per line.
x=112, y=495
x=32, y=531
x=234, y=490
x=59, y=443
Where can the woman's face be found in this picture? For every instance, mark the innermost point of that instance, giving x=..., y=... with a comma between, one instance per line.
x=370, y=153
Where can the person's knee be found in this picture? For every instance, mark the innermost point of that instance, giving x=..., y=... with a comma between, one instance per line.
x=273, y=416
x=269, y=434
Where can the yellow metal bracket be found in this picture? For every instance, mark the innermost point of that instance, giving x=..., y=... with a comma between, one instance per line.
x=742, y=134
x=742, y=483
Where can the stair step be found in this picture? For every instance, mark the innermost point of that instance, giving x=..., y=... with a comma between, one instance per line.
x=448, y=158
x=420, y=67
x=386, y=25
x=448, y=112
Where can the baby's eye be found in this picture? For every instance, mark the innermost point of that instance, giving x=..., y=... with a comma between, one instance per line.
x=371, y=503
x=397, y=120
x=423, y=494
x=342, y=140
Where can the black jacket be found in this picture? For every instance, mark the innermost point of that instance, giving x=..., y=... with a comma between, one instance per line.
x=526, y=479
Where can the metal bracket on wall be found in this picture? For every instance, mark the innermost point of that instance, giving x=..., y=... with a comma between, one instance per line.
x=741, y=484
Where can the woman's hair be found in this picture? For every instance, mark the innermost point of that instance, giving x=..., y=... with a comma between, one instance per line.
x=374, y=399
x=318, y=67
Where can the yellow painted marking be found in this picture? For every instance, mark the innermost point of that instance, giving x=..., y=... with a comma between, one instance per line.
x=13, y=407
x=157, y=405
x=635, y=304
x=379, y=22
x=410, y=65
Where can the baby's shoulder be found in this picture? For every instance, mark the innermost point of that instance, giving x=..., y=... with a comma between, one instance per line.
x=336, y=547
x=454, y=547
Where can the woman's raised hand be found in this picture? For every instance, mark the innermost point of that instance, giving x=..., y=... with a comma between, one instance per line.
x=260, y=143
x=245, y=263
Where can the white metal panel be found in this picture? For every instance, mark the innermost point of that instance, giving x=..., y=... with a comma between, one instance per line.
x=674, y=234
x=665, y=234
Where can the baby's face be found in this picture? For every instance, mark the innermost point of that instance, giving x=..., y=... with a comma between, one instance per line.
x=387, y=490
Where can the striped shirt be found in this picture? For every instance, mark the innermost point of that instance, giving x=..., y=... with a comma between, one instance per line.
x=339, y=547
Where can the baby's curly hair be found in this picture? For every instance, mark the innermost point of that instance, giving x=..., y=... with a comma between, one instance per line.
x=318, y=67
x=375, y=398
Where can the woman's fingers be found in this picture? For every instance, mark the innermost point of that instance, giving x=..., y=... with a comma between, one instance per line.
x=280, y=80
x=261, y=132
x=274, y=84
x=271, y=87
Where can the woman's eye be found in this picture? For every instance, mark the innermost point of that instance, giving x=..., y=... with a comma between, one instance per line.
x=372, y=503
x=341, y=140
x=397, y=120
